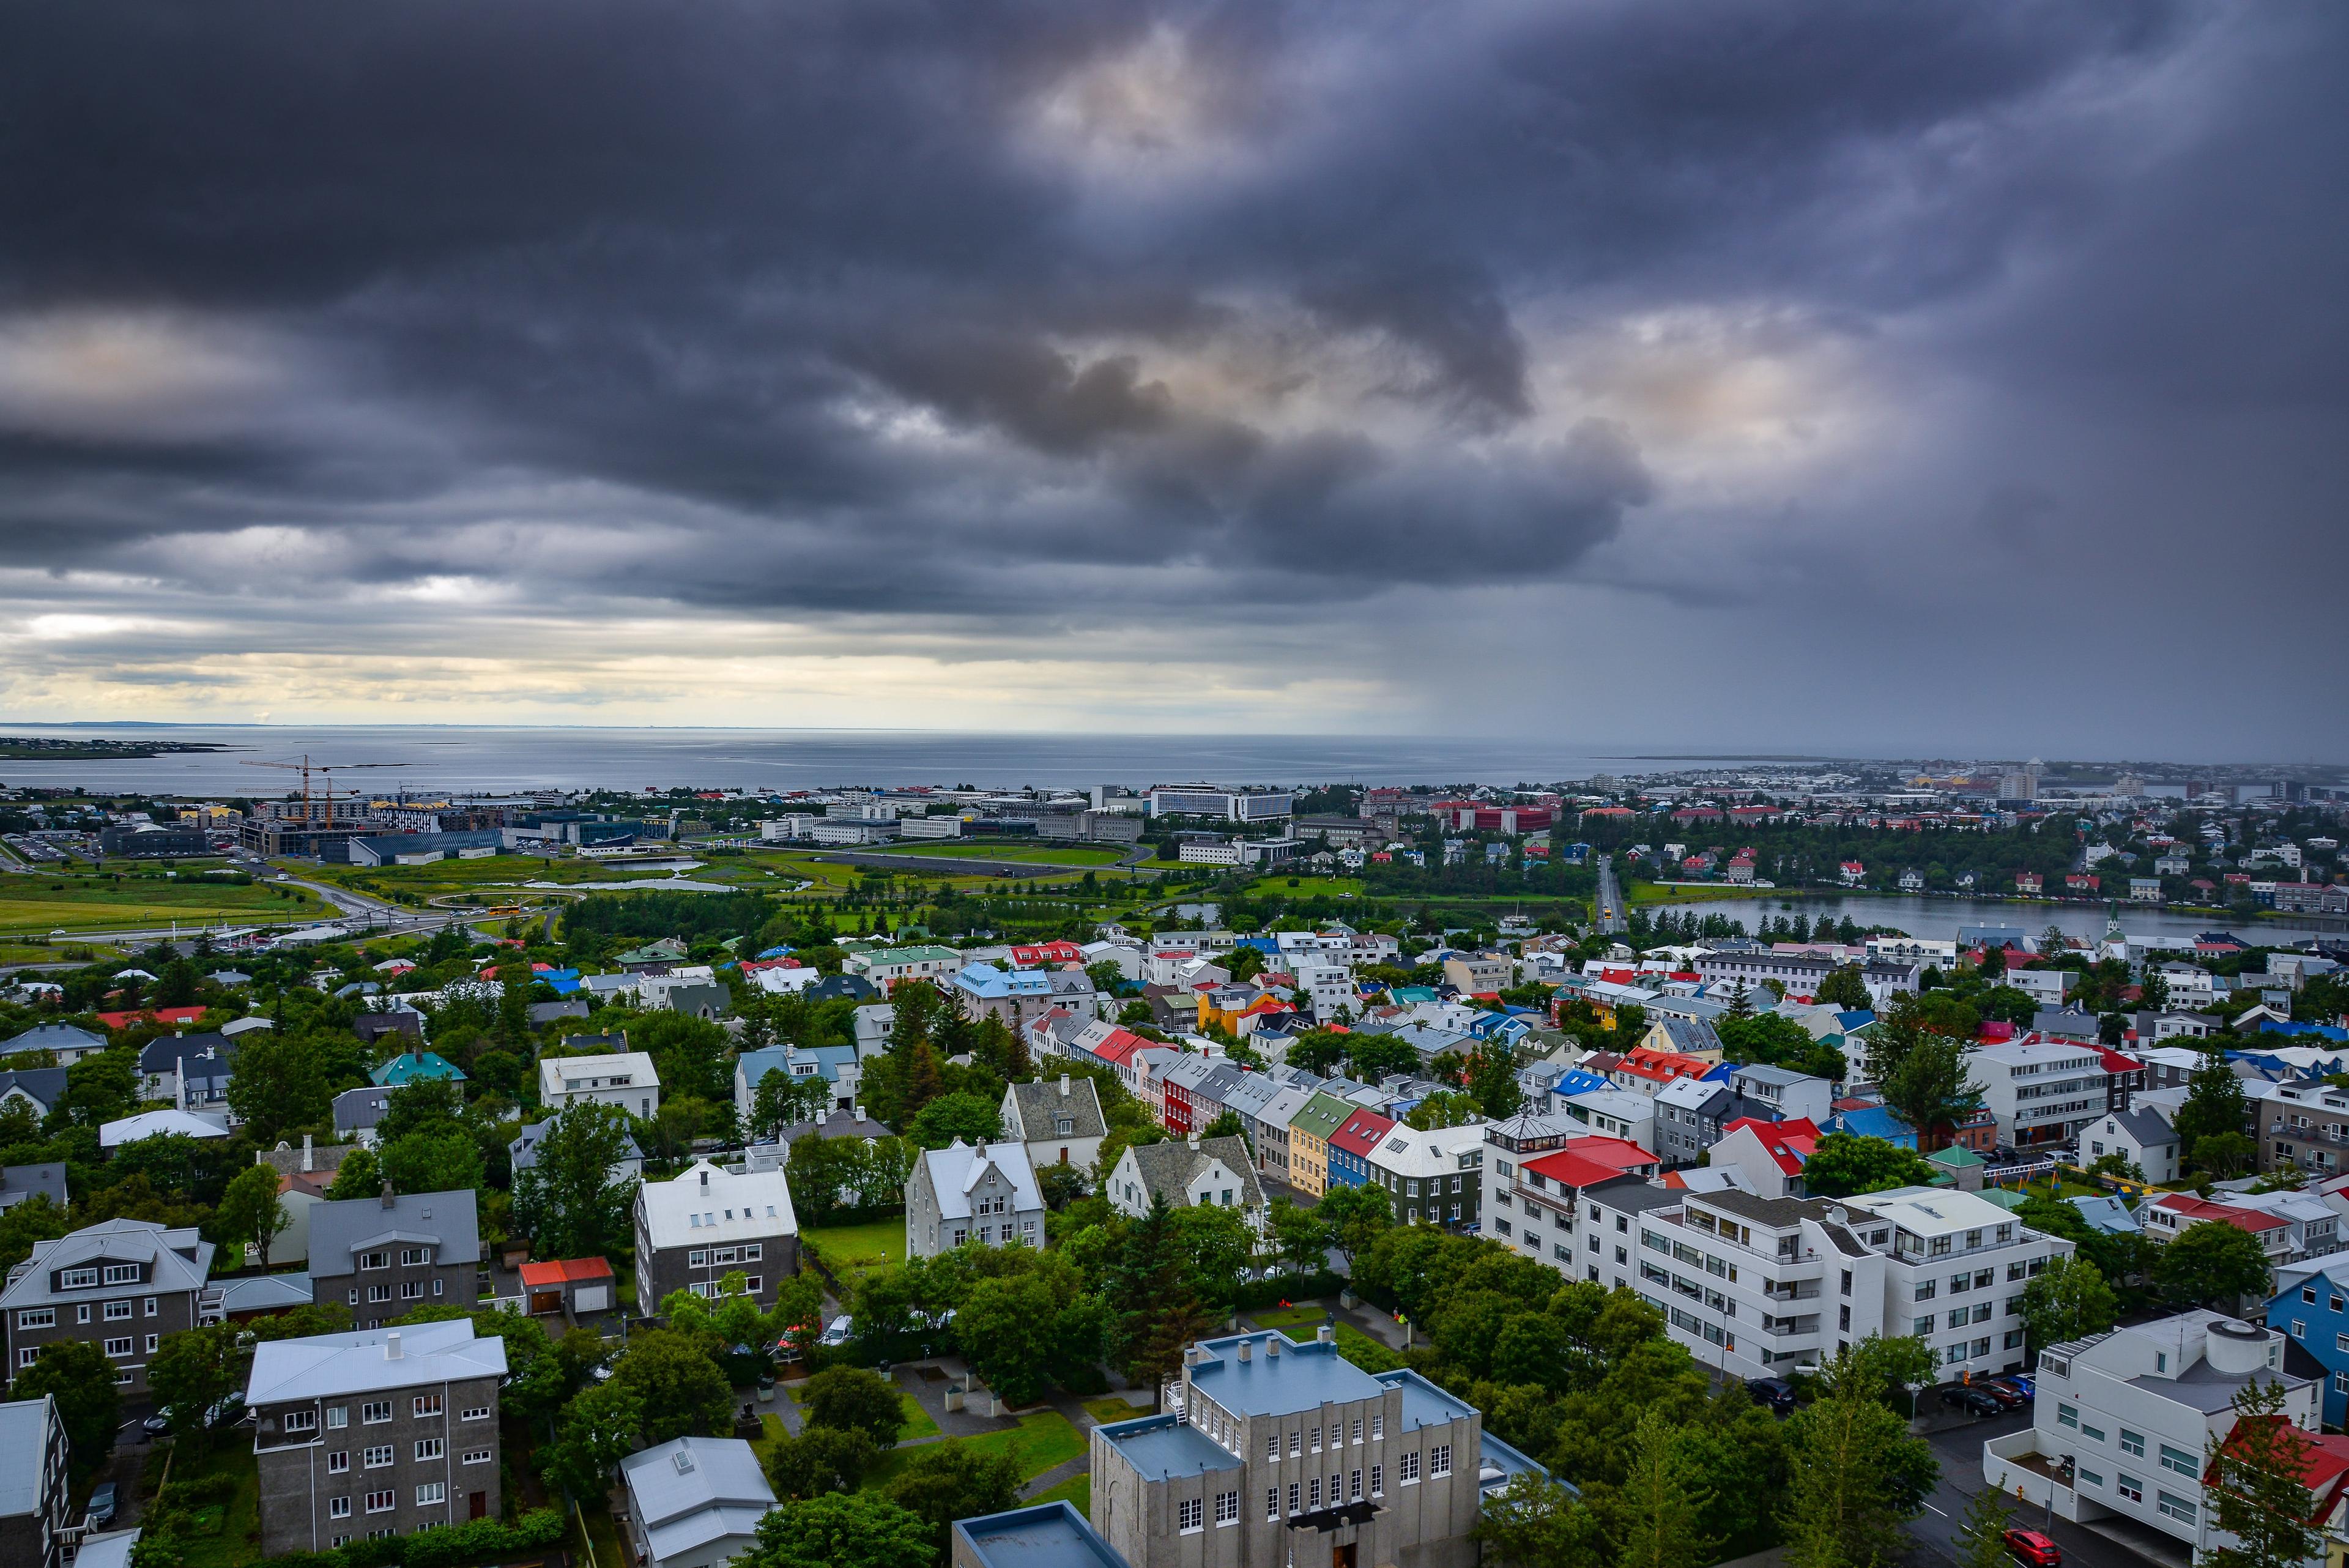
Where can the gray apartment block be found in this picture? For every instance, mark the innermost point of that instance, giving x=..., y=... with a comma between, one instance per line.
x=378, y=1433
x=121, y=1285
x=32, y=1484
x=699, y=1227
x=1269, y=1453
x=384, y=1257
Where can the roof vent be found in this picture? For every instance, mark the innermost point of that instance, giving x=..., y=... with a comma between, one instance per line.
x=684, y=1458
x=1327, y=1333
x=391, y=1346
x=1272, y=1345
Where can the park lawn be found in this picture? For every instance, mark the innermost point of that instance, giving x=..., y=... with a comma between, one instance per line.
x=1280, y=887
x=1037, y=1443
x=1287, y=1317
x=227, y=1535
x=36, y=905
x=1111, y=1410
x=1077, y=1491
x=879, y=1244
x=918, y=1423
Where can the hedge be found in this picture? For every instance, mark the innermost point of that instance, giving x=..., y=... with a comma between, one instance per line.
x=447, y=1547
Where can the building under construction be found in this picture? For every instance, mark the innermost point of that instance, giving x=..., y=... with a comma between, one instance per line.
x=321, y=837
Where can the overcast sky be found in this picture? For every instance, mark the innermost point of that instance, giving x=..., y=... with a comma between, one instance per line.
x=1920, y=376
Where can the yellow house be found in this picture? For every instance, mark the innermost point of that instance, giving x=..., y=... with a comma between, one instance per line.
x=1309, y=1142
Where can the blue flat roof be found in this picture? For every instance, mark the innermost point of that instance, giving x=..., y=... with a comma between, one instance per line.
x=1301, y=1377
x=1049, y=1535
x=1159, y=1448
x=1423, y=1403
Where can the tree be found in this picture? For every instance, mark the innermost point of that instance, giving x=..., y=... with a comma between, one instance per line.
x=419, y=1105
x=1354, y=1217
x=2211, y=1264
x=278, y=1082
x=853, y=1398
x=1491, y=1080
x=599, y=1430
x=1846, y=989
x=252, y=1210
x=193, y=1371
x=2225, y=1154
x=957, y=1116
x=822, y=1459
x=2214, y=1102
x=100, y=1088
x=1228, y=1124
x=1534, y=1523
x=953, y=1480
x=433, y=1159
x=1845, y=1165
x=1845, y=1505
x=2257, y=1488
x=357, y=1176
x=569, y=1201
x=681, y=1389
x=1657, y=1513
x=78, y=1375
x=1929, y=1089
x=784, y=1101
x=1298, y=1237
x=2068, y=1300
x=1981, y=1534
x=27, y=1222
x=1443, y=1108
x=845, y=1529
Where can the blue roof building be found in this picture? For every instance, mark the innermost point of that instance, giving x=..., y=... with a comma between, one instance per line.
x=1047, y=1535
x=1875, y=1121
x=2312, y=1305
x=410, y=1066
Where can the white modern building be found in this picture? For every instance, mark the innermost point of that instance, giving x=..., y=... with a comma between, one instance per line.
x=625, y=1079
x=2041, y=1094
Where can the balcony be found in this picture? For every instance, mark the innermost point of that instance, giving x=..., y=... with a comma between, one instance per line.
x=1791, y=1291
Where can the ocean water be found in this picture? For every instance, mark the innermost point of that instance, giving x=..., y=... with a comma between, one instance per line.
x=436, y=759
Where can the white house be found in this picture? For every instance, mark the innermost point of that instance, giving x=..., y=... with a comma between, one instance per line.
x=695, y=1502
x=1060, y=1122
x=625, y=1079
x=1209, y=1173
x=2144, y=1137
x=986, y=1194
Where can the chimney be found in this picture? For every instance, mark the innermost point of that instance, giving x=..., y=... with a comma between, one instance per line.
x=309, y=1160
x=391, y=1346
x=1244, y=1351
x=388, y=1199
x=1064, y=1085
x=1272, y=1345
x=1327, y=1333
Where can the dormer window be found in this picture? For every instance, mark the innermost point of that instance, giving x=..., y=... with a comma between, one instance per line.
x=77, y=1278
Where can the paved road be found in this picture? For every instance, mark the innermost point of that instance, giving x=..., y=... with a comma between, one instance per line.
x=1610, y=909
x=1958, y=1448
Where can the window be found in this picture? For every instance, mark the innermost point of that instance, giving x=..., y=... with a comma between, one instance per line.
x=381, y=1501
x=116, y=1311
x=696, y=1260
x=1407, y=1469
x=379, y=1292
x=1293, y=1491
x=1927, y=1289
x=2132, y=1442
x=1439, y=1460
x=1958, y=1318
x=478, y=1413
x=1313, y=1494
x=1295, y=1443
x=2090, y=1478
x=477, y=1456
x=301, y=1420
x=2068, y=1416
x=1313, y=1437
x=2176, y=1508
x=2185, y=1464
x=2298, y=1329
x=1377, y=1428
x=428, y=1449
x=1377, y=1480
x=752, y=1254
x=374, y=1459
x=37, y=1317
x=1354, y=1486
x=374, y=1260
x=338, y=1508
x=375, y=1410
x=1922, y=1327
x=338, y=1462
x=431, y=1494
x=412, y=1290
x=2094, y=1433
x=1358, y=1430
x=121, y=1273
x=76, y=1278
x=410, y=1257
x=2129, y=1487
x=81, y=1312
x=1271, y=1504
x=427, y=1405
x=2341, y=1383
x=119, y=1346
x=1228, y=1508
x=337, y=1417
x=1272, y=1445
x=2308, y=1294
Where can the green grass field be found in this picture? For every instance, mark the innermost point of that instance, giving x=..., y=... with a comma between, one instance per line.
x=36, y=905
x=1111, y=1410
x=228, y=1535
x=1077, y=1491
x=1280, y=887
x=880, y=1244
x=1287, y=1317
x=919, y=1421
x=1037, y=1443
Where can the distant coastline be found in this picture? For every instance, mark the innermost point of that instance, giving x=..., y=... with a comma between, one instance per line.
x=40, y=748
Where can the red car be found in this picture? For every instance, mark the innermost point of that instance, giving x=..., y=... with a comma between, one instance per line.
x=2030, y=1547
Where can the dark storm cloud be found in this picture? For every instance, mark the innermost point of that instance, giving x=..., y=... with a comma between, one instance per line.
x=937, y=309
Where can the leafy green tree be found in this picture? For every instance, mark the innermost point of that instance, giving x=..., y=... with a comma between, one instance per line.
x=1657, y=1513
x=420, y=1105
x=100, y=1088
x=599, y=1430
x=2211, y=1264
x=1844, y=1165
x=1354, y=1217
x=782, y=1101
x=1443, y=1108
x=2258, y=1491
x=574, y=1200
x=192, y=1372
x=78, y=1375
x=680, y=1388
x=1535, y=1522
x=1298, y=1237
x=1216, y=1247
x=1845, y=1504
x=1846, y=989
x=2214, y=1102
x=962, y=1116
x=27, y=1222
x=845, y=1529
x=1491, y=1080
x=854, y=1398
x=277, y=1083
x=822, y=1459
x=252, y=1210
x=433, y=1159
x=359, y=1176
x=1981, y=1533
x=2225, y=1154
x=1228, y=1124
x=2068, y=1300
x=1930, y=1090
x=953, y=1480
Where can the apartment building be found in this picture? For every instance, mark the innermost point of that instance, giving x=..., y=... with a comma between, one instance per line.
x=122, y=1286
x=34, y=1485
x=697, y=1228
x=625, y=1078
x=2302, y=1125
x=1437, y=1177
x=2123, y=1421
x=1268, y=1452
x=382, y=1432
x=2041, y=1094
x=887, y=967
x=384, y=1257
x=1556, y=1204
x=1310, y=1130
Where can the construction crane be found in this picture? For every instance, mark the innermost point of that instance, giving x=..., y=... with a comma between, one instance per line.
x=327, y=771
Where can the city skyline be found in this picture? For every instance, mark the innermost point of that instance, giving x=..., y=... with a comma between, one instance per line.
x=1951, y=380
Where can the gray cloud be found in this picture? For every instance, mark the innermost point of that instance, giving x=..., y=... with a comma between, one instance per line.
x=917, y=318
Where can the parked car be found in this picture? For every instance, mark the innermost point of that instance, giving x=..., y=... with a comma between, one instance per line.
x=2028, y=1546
x=1980, y=1401
x=2007, y=1392
x=1775, y=1392
x=102, y=1504
x=838, y=1331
